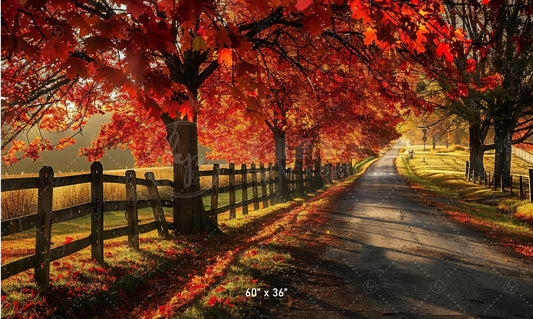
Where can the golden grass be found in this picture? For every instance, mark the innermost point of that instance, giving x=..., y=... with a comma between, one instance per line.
x=18, y=203
x=448, y=169
x=442, y=174
x=525, y=212
x=455, y=158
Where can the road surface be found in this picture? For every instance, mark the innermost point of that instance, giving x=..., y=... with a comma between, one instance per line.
x=400, y=258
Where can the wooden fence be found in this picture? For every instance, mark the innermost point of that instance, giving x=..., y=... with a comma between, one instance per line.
x=516, y=182
x=299, y=181
x=522, y=154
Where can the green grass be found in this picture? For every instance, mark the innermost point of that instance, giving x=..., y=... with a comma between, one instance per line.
x=23, y=244
x=439, y=174
x=223, y=198
x=84, y=284
x=249, y=271
x=405, y=169
x=362, y=164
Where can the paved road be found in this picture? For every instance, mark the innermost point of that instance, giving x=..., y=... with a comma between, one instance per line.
x=403, y=259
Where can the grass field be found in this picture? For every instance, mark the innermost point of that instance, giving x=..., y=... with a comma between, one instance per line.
x=447, y=168
x=439, y=176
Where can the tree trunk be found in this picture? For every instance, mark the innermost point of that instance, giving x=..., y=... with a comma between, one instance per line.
x=188, y=208
x=299, y=170
x=502, y=159
x=281, y=162
x=477, y=151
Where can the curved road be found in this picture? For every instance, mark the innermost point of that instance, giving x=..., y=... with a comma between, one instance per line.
x=400, y=258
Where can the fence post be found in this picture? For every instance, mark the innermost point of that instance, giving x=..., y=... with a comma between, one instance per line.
x=254, y=187
x=344, y=170
x=308, y=179
x=97, y=212
x=272, y=195
x=300, y=180
x=337, y=175
x=317, y=180
x=232, y=213
x=294, y=179
x=263, y=185
x=347, y=169
x=531, y=185
x=159, y=215
x=490, y=181
x=278, y=179
x=275, y=183
x=485, y=179
x=43, y=234
x=244, y=173
x=521, y=187
x=298, y=171
x=214, y=193
x=289, y=178
x=131, y=209
x=467, y=169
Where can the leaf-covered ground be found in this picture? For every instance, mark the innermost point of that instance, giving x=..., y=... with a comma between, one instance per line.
x=186, y=277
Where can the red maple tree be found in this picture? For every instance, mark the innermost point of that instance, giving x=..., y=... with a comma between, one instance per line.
x=149, y=63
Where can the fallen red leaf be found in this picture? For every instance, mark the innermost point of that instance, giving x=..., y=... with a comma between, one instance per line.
x=212, y=301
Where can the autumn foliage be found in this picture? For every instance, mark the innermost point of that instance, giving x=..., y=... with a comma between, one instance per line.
x=301, y=67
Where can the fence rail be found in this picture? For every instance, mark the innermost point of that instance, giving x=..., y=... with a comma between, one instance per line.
x=513, y=183
x=299, y=180
x=522, y=154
